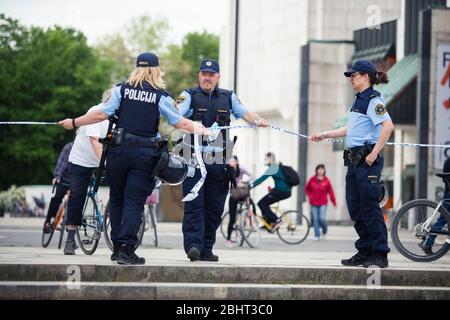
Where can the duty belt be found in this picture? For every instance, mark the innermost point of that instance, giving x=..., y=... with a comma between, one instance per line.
x=357, y=154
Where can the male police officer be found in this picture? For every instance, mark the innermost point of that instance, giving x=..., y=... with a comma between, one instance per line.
x=369, y=128
x=211, y=106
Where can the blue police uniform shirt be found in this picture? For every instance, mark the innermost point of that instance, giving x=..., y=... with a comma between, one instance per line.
x=365, y=118
x=238, y=110
x=166, y=106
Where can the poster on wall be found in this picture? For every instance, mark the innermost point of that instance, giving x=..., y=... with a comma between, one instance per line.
x=442, y=105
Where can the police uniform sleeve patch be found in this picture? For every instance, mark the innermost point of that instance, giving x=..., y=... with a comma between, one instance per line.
x=380, y=109
x=179, y=100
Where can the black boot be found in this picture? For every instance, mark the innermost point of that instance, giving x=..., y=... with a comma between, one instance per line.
x=377, y=260
x=209, y=257
x=128, y=257
x=357, y=260
x=193, y=254
x=115, y=253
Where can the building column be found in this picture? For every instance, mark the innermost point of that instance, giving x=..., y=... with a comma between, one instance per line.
x=398, y=166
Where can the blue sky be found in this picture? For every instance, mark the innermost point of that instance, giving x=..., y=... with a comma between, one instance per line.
x=98, y=17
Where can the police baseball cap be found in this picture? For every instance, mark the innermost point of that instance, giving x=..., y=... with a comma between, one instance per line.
x=363, y=66
x=209, y=66
x=147, y=59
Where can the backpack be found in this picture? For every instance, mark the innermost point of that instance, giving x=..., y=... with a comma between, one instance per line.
x=291, y=176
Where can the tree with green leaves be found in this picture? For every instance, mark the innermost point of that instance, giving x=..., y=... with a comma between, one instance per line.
x=45, y=75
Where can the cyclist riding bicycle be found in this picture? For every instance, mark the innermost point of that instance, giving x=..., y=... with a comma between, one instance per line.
x=237, y=195
x=60, y=183
x=281, y=191
x=440, y=223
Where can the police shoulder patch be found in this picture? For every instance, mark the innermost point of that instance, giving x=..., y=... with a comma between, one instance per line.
x=380, y=109
x=179, y=100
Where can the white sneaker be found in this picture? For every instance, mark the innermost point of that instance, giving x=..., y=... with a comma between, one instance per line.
x=316, y=239
x=324, y=237
x=229, y=244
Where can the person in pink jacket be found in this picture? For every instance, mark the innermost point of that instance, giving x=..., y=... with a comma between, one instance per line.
x=317, y=189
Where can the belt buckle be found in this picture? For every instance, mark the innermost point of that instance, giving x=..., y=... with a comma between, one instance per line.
x=208, y=156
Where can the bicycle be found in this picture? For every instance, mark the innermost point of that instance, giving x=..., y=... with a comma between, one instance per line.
x=293, y=230
x=150, y=214
x=93, y=222
x=413, y=228
x=59, y=223
x=107, y=228
x=236, y=234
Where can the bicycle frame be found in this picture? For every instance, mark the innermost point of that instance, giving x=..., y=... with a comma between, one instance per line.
x=427, y=225
x=92, y=191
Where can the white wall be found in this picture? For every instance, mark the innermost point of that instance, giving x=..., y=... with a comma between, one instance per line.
x=271, y=34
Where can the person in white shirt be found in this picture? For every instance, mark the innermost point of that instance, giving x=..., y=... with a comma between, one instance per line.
x=83, y=159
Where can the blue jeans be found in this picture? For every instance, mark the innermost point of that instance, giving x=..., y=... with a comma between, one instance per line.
x=440, y=223
x=318, y=217
x=80, y=177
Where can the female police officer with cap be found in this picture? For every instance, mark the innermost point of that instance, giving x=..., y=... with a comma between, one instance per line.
x=369, y=128
x=140, y=101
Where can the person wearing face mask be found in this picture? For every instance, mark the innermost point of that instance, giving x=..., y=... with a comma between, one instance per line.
x=281, y=191
x=211, y=106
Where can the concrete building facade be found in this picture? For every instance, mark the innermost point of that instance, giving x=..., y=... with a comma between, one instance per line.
x=286, y=59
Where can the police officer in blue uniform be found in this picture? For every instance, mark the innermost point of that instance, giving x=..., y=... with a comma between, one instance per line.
x=212, y=106
x=139, y=102
x=369, y=128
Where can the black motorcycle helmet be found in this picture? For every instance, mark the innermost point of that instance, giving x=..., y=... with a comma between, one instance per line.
x=175, y=171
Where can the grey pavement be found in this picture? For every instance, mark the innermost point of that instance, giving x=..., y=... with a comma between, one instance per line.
x=20, y=243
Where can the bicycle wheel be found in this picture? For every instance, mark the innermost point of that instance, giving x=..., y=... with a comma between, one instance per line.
x=250, y=228
x=152, y=227
x=107, y=228
x=236, y=236
x=295, y=227
x=62, y=227
x=47, y=237
x=411, y=237
x=88, y=234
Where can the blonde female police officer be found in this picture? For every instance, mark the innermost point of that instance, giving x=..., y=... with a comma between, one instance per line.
x=369, y=128
x=140, y=101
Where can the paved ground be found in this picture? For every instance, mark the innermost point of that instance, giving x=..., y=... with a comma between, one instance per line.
x=20, y=243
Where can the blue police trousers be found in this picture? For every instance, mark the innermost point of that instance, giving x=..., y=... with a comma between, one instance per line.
x=363, y=206
x=202, y=216
x=128, y=170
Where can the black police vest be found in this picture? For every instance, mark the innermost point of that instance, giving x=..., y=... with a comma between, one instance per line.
x=209, y=110
x=362, y=102
x=138, y=111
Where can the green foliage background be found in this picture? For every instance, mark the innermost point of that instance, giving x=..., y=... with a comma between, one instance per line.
x=50, y=74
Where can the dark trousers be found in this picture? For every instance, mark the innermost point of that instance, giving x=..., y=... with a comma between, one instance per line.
x=272, y=197
x=128, y=171
x=363, y=206
x=202, y=216
x=232, y=208
x=55, y=202
x=80, y=177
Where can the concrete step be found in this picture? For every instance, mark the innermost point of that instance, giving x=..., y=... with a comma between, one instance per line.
x=212, y=291
x=227, y=274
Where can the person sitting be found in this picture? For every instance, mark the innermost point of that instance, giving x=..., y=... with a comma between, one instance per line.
x=281, y=191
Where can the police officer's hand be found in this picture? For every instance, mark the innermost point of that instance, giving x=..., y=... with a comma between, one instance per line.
x=317, y=137
x=261, y=122
x=66, y=124
x=55, y=181
x=371, y=158
x=201, y=130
